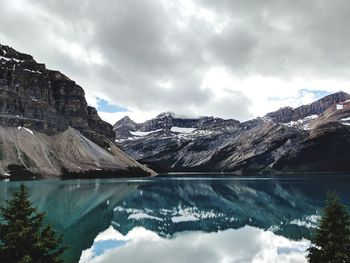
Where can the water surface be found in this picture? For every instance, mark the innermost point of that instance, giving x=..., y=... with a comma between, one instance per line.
x=199, y=218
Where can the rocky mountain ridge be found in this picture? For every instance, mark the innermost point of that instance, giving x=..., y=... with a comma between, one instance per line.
x=46, y=125
x=45, y=100
x=288, y=114
x=274, y=143
x=167, y=121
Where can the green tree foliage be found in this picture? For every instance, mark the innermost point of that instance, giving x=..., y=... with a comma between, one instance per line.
x=332, y=240
x=23, y=236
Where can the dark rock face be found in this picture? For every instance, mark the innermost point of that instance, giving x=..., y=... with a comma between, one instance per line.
x=123, y=127
x=168, y=120
x=326, y=152
x=289, y=114
x=45, y=100
x=249, y=147
x=326, y=147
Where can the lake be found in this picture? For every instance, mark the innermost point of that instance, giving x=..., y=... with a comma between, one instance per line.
x=185, y=218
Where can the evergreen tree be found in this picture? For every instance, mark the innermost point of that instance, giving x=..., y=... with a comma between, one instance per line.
x=332, y=240
x=23, y=236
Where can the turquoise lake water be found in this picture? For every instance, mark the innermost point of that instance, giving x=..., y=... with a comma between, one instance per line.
x=177, y=218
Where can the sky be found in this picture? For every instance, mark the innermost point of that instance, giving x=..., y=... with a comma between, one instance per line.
x=226, y=58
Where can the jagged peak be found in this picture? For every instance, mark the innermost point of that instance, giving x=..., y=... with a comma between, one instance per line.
x=126, y=120
x=168, y=114
x=165, y=114
x=341, y=92
x=336, y=94
x=57, y=75
x=286, y=108
x=9, y=52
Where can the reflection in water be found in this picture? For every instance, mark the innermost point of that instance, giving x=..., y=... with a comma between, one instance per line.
x=170, y=207
x=81, y=209
x=247, y=244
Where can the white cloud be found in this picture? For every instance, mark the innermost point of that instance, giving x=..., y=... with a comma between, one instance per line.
x=137, y=115
x=247, y=244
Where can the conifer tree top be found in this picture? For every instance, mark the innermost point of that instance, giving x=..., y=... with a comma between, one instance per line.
x=23, y=235
x=332, y=240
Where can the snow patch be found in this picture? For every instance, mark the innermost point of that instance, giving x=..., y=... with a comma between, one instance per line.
x=204, y=132
x=308, y=222
x=141, y=133
x=345, y=121
x=28, y=130
x=182, y=129
x=139, y=216
x=184, y=218
x=302, y=123
x=32, y=71
x=9, y=59
x=339, y=106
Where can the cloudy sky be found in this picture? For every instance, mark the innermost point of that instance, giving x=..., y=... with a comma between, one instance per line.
x=227, y=58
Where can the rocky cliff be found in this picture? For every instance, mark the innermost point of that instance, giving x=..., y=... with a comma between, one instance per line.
x=45, y=100
x=46, y=125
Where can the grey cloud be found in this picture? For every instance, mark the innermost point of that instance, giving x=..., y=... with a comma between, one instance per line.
x=291, y=37
x=233, y=48
x=145, y=44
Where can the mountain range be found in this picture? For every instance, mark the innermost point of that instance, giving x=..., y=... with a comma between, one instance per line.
x=47, y=129
x=313, y=138
x=46, y=126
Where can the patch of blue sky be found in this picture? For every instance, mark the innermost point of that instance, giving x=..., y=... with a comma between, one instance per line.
x=100, y=247
x=291, y=250
x=318, y=94
x=105, y=106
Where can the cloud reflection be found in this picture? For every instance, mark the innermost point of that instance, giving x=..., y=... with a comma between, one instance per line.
x=247, y=244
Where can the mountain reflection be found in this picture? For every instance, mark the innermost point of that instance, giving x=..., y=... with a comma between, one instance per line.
x=211, y=205
x=81, y=209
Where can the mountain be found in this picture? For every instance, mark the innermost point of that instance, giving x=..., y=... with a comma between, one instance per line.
x=45, y=100
x=311, y=138
x=288, y=114
x=169, y=122
x=46, y=124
